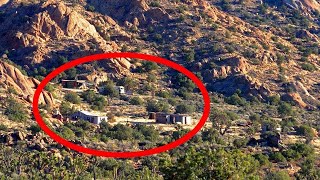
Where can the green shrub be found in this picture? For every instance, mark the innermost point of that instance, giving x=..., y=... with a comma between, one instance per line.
x=235, y=99
x=277, y=157
x=91, y=8
x=136, y=101
x=185, y=108
x=279, y=175
x=308, y=67
x=15, y=111
x=34, y=128
x=285, y=109
x=240, y=142
x=154, y=106
x=73, y=98
x=3, y=127
x=163, y=94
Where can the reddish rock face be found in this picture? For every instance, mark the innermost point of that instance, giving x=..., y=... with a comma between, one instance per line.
x=25, y=86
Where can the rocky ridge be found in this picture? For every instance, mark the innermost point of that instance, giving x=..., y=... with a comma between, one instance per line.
x=23, y=85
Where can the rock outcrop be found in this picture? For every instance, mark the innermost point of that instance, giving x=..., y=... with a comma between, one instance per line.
x=304, y=5
x=25, y=86
x=233, y=65
x=248, y=86
x=135, y=12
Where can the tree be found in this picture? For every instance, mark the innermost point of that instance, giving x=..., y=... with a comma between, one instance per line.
x=110, y=90
x=73, y=98
x=185, y=108
x=160, y=106
x=209, y=164
x=221, y=120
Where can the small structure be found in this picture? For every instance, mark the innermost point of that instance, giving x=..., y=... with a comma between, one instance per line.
x=152, y=115
x=162, y=118
x=120, y=89
x=88, y=116
x=74, y=84
x=166, y=118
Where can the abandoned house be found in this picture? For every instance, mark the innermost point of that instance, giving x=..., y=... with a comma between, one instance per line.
x=74, y=84
x=166, y=118
x=88, y=116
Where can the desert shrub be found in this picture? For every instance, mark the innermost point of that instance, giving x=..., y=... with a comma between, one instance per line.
x=66, y=132
x=277, y=157
x=306, y=131
x=73, y=98
x=254, y=117
x=274, y=100
x=298, y=150
x=15, y=111
x=235, y=99
x=49, y=87
x=155, y=4
x=66, y=109
x=127, y=82
x=160, y=106
x=285, y=109
x=110, y=90
x=149, y=132
x=151, y=78
x=240, y=142
x=185, y=108
x=184, y=93
x=163, y=94
x=308, y=67
x=183, y=82
x=190, y=56
x=136, y=101
x=91, y=8
x=3, y=127
x=34, y=128
x=147, y=66
x=172, y=101
x=263, y=159
x=279, y=175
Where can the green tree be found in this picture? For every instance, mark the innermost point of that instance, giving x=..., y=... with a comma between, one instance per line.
x=185, y=108
x=157, y=106
x=73, y=98
x=110, y=90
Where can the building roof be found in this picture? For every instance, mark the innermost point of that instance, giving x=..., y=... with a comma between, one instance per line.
x=90, y=113
x=81, y=81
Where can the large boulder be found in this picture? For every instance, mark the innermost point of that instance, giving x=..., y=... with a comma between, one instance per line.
x=25, y=86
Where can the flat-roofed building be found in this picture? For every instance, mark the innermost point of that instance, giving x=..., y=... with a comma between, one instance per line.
x=88, y=116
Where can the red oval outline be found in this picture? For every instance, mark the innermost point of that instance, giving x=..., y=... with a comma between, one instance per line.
x=131, y=154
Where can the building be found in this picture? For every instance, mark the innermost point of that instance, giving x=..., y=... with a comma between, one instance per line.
x=120, y=89
x=74, y=84
x=88, y=116
x=166, y=118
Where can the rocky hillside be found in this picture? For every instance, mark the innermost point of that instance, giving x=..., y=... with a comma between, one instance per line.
x=11, y=77
x=227, y=48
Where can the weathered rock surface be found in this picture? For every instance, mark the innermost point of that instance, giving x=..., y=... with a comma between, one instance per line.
x=25, y=86
x=136, y=12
